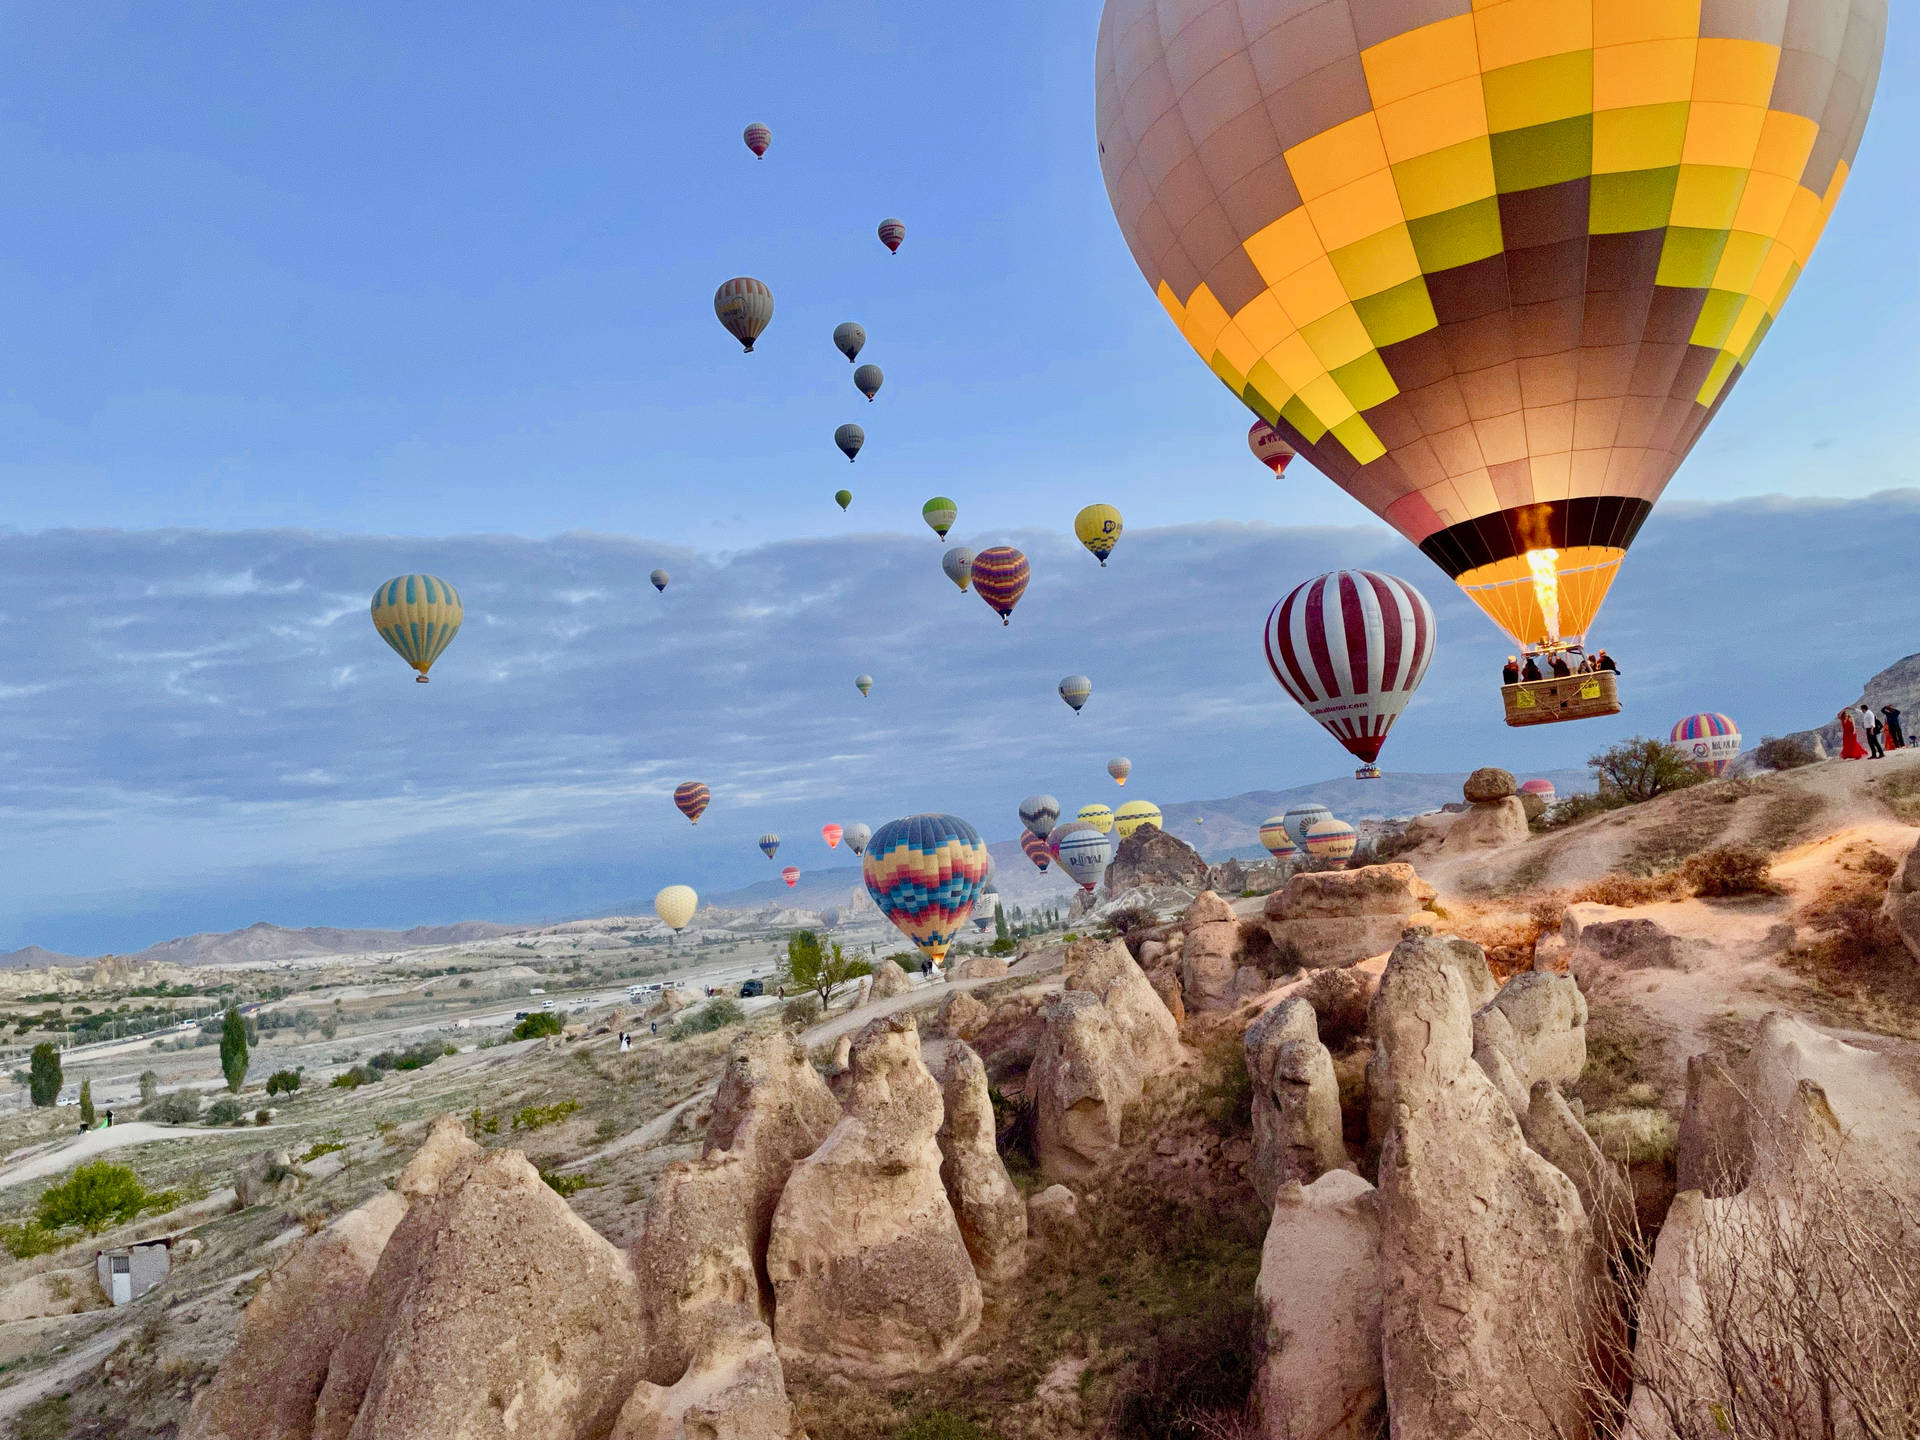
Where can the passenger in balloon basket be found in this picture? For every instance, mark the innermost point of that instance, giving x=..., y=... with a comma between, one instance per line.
x=1510, y=674
x=1561, y=669
x=1531, y=670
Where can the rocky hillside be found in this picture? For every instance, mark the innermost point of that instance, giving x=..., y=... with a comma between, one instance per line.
x=1898, y=685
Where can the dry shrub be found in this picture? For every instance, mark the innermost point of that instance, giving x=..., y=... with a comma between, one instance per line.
x=1854, y=952
x=1617, y=889
x=1789, y=752
x=1257, y=942
x=1508, y=940
x=1340, y=999
x=1730, y=870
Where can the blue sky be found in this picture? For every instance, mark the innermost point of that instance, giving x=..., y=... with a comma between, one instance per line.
x=296, y=293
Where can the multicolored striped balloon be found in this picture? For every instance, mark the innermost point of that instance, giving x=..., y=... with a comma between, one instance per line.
x=691, y=798
x=1274, y=836
x=1036, y=849
x=925, y=872
x=770, y=844
x=790, y=874
x=1000, y=579
x=831, y=834
x=1352, y=646
x=1135, y=813
x=418, y=615
x=857, y=838
x=744, y=306
x=1710, y=741
x=1331, y=840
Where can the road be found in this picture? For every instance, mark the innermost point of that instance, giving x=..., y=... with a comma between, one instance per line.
x=77, y=1148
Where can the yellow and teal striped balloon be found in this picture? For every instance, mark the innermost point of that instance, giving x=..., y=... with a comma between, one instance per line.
x=418, y=615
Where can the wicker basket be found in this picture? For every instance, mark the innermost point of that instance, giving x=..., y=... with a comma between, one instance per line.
x=1578, y=697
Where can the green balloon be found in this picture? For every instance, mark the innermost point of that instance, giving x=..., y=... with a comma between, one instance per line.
x=843, y=498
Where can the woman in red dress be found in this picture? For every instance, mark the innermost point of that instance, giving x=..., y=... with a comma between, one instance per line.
x=1850, y=746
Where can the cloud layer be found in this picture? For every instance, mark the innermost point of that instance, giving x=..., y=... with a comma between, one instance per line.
x=198, y=730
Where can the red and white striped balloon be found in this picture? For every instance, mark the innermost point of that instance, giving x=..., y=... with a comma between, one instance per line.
x=1352, y=646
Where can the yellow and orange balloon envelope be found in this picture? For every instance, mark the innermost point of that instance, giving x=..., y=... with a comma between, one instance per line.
x=675, y=906
x=1490, y=267
x=418, y=615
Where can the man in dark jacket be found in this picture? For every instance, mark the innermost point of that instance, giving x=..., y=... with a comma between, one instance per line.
x=1896, y=737
x=1604, y=661
x=1561, y=669
x=1532, y=670
x=1511, y=674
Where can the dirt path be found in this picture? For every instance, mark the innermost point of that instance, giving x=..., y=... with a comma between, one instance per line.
x=84, y=1147
x=62, y=1374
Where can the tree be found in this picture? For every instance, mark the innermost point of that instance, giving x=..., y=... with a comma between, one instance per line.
x=99, y=1194
x=541, y=1022
x=280, y=1081
x=811, y=966
x=149, y=1087
x=44, y=1074
x=1641, y=768
x=1000, y=922
x=233, y=1049
x=86, y=1103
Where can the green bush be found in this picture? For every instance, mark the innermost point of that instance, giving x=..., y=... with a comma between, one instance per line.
x=538, y=1117
x=86, y=1103
x=800, y=1012
x=233, y=1049
x=1788, y=753
x=176, y=1107
x=564, y=1185
x=1642, y=768
x=24, y=1241
x=224, y=1111
x=43, y=1082
x=96, y=1195
x=319, y=1148
x=712, y=1016
x=1729, y=870
x=541, y=1022
x=1226, y=1094
x=941, y=1425
x=283, y=1082
x=356, y=1077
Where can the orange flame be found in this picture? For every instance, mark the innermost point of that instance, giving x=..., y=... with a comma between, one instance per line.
x=1546, y=587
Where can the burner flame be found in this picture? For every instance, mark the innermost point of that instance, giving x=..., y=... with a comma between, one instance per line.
x=1546, y=587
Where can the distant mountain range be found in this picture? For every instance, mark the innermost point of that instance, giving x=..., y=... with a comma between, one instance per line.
x=264, y=944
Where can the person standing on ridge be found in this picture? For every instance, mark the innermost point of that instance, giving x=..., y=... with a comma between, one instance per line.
x=1896, y=737
x=1870, y=731
x=1850, y=746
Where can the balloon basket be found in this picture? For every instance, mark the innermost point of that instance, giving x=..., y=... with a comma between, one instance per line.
x=420, y=680
x=1576, y=697
x=1367, y=772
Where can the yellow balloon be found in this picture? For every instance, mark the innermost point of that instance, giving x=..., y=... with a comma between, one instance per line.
x=418, y=615
x=1098, y=527
x=1135, y=813
x=675, y=905
x=1098, y=816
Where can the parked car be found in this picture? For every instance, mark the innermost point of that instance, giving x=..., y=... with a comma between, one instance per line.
x=750, y=988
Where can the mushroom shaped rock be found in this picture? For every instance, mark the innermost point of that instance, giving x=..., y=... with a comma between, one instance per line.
x=1489, y=783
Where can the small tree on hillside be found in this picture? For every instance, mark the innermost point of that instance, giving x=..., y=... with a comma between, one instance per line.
x=812, y=966
x=1000, y=922
x=1641, y=768
x=233, y=1049
x=99, y=1194
x=86, y=1103
x=149, y=1087
x=43, y=1082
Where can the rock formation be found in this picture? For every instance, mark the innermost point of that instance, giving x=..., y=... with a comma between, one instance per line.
x=961, y=1016
x=1467, y=961
x=1152, y=859
x=978, y=967
x=734, y=1389
x=1604, y=936
x=1053, y=1216
x=869, y=1270
x=1107, y=970
x=1319, y=1287
x=992, y=1214
x=1486, y=1254
x=1715, y=1151
x=700, y=1258
x=1535, y=1028
x=1555, y=1132
x=888, y=980
x=266, y=1386
x=1494, y=818
x=1902, y=905
x=1210, y=954
x=267, y=1178
x=1296, y=1100
x=1331, y=918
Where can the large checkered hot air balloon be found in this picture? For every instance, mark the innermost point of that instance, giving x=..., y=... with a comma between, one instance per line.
x=1489, y=267
x=925, y=872
x=1351, y=646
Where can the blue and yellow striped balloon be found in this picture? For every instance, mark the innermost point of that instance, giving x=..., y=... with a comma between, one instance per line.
x=418, y=615
x=925, y=872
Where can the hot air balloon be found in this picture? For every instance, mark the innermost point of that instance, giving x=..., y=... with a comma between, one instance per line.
x=983, y=908
x=659, y=579
x=863, y=683
x=1273, y=835
x=1000, y=579
x=1711, y=742
x=1039, y=813
x=892, y=232
x=1098, y=528
x=986, y=880
x=1268, y=447
x=831, y=834
x=1036, y=849
x=1351, y=647
x=867, y=380
x=1074, y=690
x=958, y=563
x=924, y=872
x=848, y=337
x=830, y=916
x=857, y=837
x=1098, y=816
x=940, y=513
x=744, y=306
x=1330, y=840
x=1301, y=817
x=1119, y=767
x=1542, y=788
x=769, y=844
x=843, y=498
x=790, y=874
x=1135, y=813
x=691, y=798
x=675, y=906
x=1084, y=853
x=758, y=137
x=418, y=615
x=1491, y=272
x=849, y=438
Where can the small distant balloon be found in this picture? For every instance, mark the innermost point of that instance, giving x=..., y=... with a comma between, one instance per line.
x=659, y=579
x=940, y=513
x=790, y=874
x=1036, y=849
x=691, y=798
x=867, y=380
x=958, y=563
x=758, y=137
x=863, y=683
x=843, y=498
x=830, y=916
x=1119, y=767
x=1074, y=690
x=831, y=834
x=892, y=232
x=1098, y=528
x=675, y=906
x=848, y=337
x=1269, y=447
x=849, y=438
x=418, y=616
x=770, y=844
x=1000, y=578
x=857, y=837
x=1039, y=813
x=744, y=306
